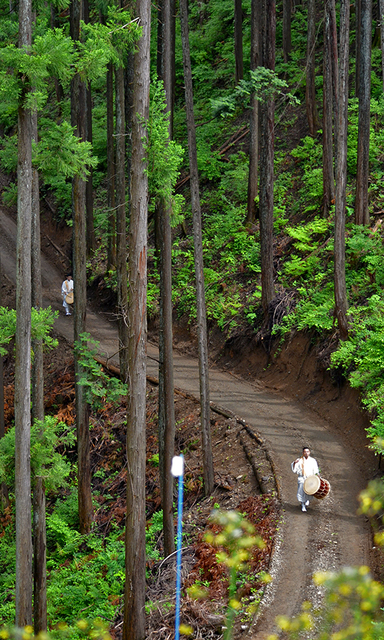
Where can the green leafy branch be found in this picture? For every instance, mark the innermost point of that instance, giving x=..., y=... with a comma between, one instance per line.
x=41, y=324
x=99, y=388
x=262, y=83
x=46, y=461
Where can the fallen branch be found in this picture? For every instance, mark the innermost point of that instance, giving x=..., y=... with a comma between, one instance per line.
x=56, y=247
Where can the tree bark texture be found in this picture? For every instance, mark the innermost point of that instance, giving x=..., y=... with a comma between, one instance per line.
x=121, y=225
x=36, y=292
x=287, y=41
x=361, y=205
x=358, y=45
x=341, y=175
x=2, y=421
x=267, y=159
x=335, y=70
x=310, y=91
x=254, y=116
x=90, y=229
x=381, y=18
x=23, y=346
x=199, y=267
x=166, y=385
x=39, y=558
x=4, y=500
x=91, y=238
x=164, y=242
x=239, y=73
x=111, y=171
x=328, y=170
x=78, y=120
x=39, y=522
x=134, y=598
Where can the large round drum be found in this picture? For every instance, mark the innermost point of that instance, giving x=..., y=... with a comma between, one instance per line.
x=316, y=487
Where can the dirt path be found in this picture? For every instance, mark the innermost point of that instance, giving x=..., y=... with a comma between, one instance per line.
x=327, y=537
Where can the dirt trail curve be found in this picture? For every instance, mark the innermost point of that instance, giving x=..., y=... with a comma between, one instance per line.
x=330, y=535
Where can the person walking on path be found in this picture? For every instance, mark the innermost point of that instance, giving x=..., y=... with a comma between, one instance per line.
x=66, y=290
x=304, y=467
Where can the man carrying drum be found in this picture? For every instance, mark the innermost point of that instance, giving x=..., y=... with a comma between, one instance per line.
x=304, y=467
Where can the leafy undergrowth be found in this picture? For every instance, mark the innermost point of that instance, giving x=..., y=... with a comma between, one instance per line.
x=86, y=573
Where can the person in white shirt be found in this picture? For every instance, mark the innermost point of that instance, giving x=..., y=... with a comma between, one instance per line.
x=66, y=288
x=304, y=467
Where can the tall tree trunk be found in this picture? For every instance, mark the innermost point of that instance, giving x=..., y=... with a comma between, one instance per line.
x=341, y=175
x=328, y=171
x=4, y=501
x=121, y=225
x=58, y=87
x=361, y=205
x=358, y=45
x=164, y=243
x=111, y=168
x=335, y=72
x=39, y=522
x=91, y=238
x=287, y=41
x=23, y=346
x=267, y=159
x=239, y=73
x=78, y=119
x=310, y=91
x=90, y=229
x=381, y=18
x=199, y=267
x=134, y=597
x=254, y=115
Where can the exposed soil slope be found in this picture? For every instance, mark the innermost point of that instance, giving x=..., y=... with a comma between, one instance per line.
x=330, y=535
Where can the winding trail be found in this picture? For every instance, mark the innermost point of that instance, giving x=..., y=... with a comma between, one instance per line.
x=330, y=535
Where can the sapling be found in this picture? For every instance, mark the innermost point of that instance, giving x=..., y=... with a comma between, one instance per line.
x=235, y=541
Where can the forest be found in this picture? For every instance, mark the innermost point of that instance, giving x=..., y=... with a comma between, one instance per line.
x=210, y=169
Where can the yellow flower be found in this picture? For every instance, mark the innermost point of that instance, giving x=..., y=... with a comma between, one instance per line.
x=185, y=630
x=283, y=622
x=82, y=624
x=345, y=589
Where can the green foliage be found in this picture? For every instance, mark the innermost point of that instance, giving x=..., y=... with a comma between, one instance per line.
x=41, y=324
x=227, y=244
x=152, y=532
x=361, y=358
x=60, y=152
x=263, y=83
x=46, y=461
x=309, y=153
x=91, y=582
x=51, y=54
x=99, y=388
x=164, y=156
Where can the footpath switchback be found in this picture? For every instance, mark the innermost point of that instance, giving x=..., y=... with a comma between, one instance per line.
x=331, y=534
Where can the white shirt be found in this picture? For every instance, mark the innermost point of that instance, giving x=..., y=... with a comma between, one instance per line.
x=66, y=287
x=305, y=467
